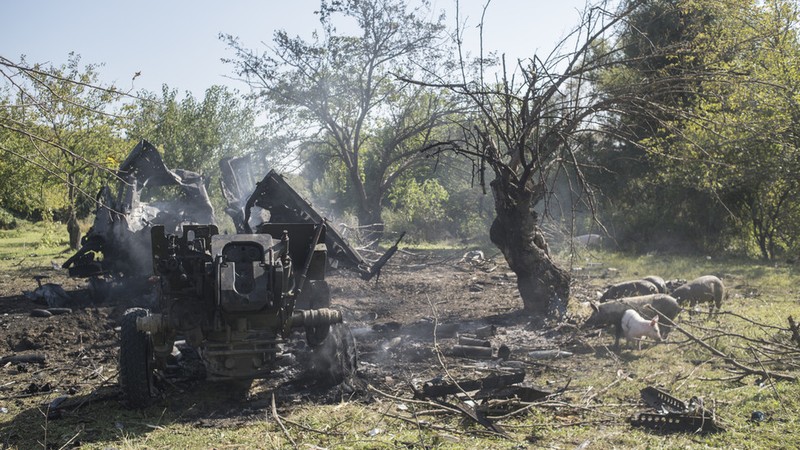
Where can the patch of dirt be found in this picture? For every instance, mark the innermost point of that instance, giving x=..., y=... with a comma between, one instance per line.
x=405, y=325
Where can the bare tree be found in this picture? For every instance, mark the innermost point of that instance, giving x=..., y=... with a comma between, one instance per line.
x=532, y=127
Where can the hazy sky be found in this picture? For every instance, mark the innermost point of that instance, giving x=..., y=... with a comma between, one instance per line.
x=176, y=41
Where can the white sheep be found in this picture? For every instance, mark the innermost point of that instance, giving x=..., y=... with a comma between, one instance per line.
x=634, y=326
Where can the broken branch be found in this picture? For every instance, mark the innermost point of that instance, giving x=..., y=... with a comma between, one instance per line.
x=731, y=360
x=280, y=423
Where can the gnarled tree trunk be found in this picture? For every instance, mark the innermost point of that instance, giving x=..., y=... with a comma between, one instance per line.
x=543, y=286
x=369, y=214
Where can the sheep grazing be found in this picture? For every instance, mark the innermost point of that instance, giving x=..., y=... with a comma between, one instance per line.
x=610, y=313
x=629, y=289
x=707, y=288
x=634, y=326
x=659, y=283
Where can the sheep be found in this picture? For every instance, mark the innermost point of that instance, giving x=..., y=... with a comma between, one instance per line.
x=659, y=282
x=610, y=313
x=636, y=327
x=629, y=289
x=707, y=288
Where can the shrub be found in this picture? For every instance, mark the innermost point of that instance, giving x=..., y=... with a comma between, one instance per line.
x=7, y=220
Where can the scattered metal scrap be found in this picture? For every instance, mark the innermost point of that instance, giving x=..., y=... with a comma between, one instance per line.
x=485, y=394
x=51, y=294
x=439, y=388
x=671, y=415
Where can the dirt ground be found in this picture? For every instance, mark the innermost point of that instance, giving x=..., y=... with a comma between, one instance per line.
x=421, y=299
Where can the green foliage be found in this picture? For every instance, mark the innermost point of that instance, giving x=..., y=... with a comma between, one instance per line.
x=713, y=167
x=641, y=206
x=7, y=220
x=52, y=234
x=419, y=208
x=344, y=97
x=742, y=146
x=60, y=138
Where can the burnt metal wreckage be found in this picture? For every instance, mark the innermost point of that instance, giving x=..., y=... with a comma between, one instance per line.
x=231, y=300
x=669, y=414
x=114, y=254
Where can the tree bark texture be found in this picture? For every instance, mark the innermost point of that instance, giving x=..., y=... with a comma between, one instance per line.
x=74, y=231
x=368, y=211
x=543, y=286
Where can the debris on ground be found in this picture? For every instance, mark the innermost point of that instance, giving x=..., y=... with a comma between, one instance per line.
x=671, y=415
x=50, y=294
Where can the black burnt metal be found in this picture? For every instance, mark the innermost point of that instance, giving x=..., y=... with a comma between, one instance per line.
x=284, y=205
x=439, y=388
x=671, y=415
x=118, y=243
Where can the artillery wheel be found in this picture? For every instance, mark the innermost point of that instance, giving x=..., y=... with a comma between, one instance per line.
x=135, y=360
x=318, y=296
x=335, y=359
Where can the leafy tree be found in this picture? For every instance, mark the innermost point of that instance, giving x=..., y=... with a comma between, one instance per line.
x=644, y=207
x=195, y=134
x=60, y=135
x=738, y=147
x=722, y=165
x=345, y=90
x=420, y=207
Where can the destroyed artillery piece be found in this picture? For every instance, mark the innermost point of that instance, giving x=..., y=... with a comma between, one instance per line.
x=234, y=299
x=114, y=255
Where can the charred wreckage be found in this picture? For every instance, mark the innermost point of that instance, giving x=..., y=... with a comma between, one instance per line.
x=234, y=300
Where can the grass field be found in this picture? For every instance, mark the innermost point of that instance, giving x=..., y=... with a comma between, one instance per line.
x=603, y=384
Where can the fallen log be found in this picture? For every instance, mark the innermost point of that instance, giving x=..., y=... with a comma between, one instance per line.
x=474, y=342
x=17, y=359
x=471, y=351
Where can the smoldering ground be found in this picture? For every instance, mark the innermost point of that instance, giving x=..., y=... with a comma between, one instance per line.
x=404, y=325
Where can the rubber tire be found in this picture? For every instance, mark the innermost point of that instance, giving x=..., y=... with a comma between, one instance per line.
x=135, y=361
x=335, y=360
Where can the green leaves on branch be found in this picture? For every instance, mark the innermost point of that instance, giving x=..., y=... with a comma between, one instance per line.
x=738, y=141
